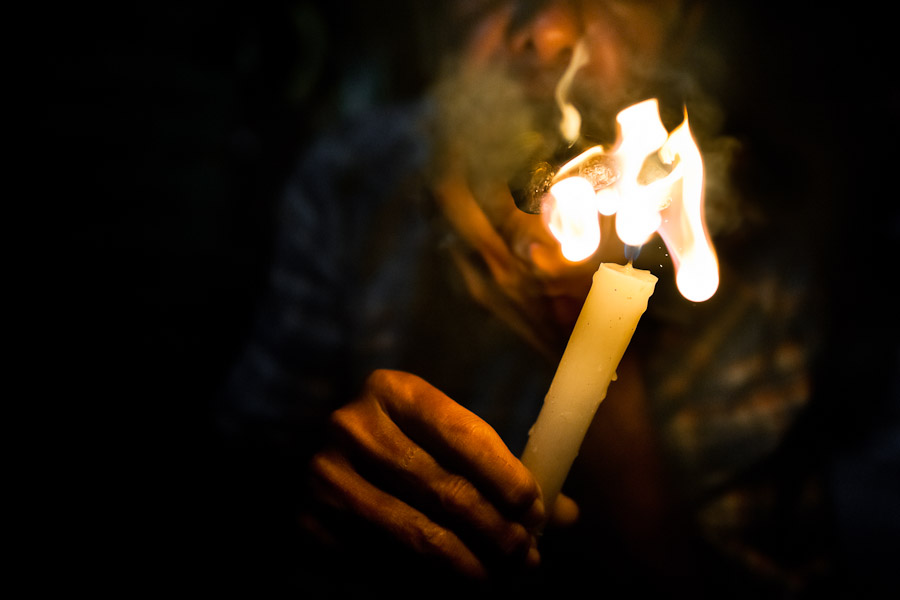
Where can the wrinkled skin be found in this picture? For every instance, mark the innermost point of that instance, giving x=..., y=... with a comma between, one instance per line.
x=447, y=486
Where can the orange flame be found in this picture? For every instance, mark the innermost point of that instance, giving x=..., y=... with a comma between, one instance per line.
x=668, y=201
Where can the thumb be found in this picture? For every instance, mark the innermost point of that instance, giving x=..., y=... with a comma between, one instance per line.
x=565, y=512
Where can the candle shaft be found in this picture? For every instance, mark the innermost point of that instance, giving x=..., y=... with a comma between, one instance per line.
x=617, y=299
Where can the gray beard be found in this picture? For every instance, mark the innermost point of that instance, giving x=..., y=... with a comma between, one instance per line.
x=488, y=120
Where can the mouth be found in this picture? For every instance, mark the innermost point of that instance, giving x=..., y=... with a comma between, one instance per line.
x=529, y=185
x=531, y=181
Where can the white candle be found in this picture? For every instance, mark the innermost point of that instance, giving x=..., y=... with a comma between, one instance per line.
x=614, y=305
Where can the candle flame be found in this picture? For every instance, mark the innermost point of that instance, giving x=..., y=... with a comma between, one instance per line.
x=573, y=218
x=657, y=188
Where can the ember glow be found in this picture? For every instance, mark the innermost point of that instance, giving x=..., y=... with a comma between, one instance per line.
x=652, y=181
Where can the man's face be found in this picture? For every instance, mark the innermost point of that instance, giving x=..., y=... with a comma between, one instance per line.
x=534, y=41
x=502, y=117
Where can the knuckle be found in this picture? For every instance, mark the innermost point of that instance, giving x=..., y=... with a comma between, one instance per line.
x=409, y=458
x=322, y=467
x=522, y=490
x=377, y=379
x=469, y=425
x=340, y=418
x=516, y=540
x=386, y=379
x=388, y=387
x=431, y=539
x=457, y=495
x=324, y=479
x=344, y=422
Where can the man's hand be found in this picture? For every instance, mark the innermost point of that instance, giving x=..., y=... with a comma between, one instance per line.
x=431, y=474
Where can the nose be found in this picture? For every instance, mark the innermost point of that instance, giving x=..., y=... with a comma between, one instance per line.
x=548, y=33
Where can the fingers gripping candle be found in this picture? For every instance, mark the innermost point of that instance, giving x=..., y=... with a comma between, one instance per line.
x=614, y=305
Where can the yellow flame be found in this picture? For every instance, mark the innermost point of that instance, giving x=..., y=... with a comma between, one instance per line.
x=670, y=203
x=573, y=218
x=684, y=228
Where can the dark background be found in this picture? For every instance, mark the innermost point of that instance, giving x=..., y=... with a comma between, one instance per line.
x=164, y=134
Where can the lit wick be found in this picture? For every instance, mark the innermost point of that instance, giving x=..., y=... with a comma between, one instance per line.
x=632, y=253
